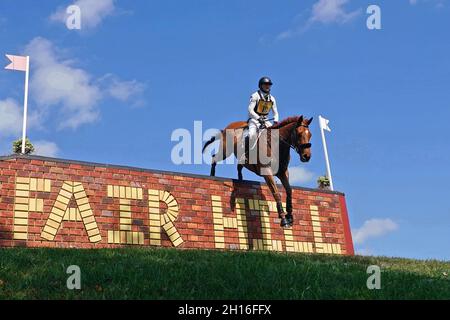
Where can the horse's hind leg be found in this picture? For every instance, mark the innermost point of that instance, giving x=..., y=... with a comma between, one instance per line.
x=213, y=168
x=219, y=156
x=239, y=169
x=215, y=158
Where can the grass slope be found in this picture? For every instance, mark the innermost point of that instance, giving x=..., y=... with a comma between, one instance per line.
x=134, y=273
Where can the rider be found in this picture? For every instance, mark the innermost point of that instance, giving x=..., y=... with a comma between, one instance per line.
x=261, y=102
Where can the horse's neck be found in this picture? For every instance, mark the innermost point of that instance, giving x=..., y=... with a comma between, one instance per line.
x=285, y=144
x=285, y=132
x=285, y=137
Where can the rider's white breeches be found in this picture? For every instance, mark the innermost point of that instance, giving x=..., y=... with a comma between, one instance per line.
x=253, y=126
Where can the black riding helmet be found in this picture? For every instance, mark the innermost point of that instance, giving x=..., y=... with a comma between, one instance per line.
x=264, y=80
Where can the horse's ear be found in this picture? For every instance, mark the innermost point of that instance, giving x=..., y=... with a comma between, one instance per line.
x=299, y=121
x=310, y=120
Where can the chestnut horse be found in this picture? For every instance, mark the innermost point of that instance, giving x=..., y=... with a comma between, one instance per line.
x=293, y=132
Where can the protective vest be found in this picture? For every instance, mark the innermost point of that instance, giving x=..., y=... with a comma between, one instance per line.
x=263, y=107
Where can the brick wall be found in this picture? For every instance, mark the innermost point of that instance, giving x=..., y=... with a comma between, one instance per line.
x=46, y=202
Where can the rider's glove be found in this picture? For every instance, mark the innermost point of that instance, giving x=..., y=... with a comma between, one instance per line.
x=261, y=120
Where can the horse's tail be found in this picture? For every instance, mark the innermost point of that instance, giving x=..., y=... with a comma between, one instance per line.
x=217, y=136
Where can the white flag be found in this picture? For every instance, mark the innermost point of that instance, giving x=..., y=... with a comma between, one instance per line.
x=324, y=123
x=18, y=63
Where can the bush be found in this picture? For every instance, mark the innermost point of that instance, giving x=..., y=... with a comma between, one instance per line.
x=17, y=146
x=323, y=182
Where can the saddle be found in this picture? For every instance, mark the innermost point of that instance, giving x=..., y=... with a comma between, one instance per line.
x=245, y=130
x=245, y=140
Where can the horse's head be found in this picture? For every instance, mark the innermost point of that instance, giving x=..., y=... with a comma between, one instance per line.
x=301, y=137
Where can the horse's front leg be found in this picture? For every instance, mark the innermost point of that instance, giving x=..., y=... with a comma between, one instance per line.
x=284, y=178
x=274, y=189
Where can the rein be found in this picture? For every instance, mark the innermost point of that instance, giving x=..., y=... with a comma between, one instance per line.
x=297, y=148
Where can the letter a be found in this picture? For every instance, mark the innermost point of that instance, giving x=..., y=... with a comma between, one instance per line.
x=73, y=21
x=374, y=20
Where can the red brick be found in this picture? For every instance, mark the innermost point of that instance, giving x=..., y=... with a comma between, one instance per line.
x=193, y=194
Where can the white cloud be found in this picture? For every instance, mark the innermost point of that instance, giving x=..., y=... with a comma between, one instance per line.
x=373, y=228
x=325, y=12
x=364, y=252
x=75, y=94
x=125, y=91
x=300, y=175
x=46, y=148
x=93, y=12
x=332, y=11
x=11, y=118
x=55, y=82
x=438, y=4
x=58, y=87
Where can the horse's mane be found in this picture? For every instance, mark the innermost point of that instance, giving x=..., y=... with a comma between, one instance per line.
x=285, y=122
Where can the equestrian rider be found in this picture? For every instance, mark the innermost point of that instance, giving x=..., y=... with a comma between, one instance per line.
x=261, y=102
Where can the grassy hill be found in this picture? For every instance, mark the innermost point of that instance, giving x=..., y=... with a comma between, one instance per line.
x=134, y=273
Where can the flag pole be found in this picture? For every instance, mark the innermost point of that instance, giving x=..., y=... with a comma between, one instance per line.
x=25, y=105
x=325, y=151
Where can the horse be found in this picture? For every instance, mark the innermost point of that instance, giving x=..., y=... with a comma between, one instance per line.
x=293, y=132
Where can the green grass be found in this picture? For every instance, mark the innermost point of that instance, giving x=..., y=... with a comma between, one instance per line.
x=133, y=273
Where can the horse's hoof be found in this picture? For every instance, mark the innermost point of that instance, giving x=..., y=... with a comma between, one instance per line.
x=284, y=223
x=290, y=219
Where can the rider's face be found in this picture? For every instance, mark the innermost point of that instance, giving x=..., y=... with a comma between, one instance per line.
x=266, y=87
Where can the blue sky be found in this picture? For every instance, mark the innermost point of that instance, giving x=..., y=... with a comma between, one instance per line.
x=115, y=90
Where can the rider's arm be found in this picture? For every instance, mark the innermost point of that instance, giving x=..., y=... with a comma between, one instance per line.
x=251, y=108
x=275, y=110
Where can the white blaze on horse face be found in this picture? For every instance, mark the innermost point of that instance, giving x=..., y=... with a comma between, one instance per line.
x=306, y=132
x=307, y=135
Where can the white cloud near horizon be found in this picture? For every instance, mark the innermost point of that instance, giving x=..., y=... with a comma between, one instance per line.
x=324, y=12
x=373, y=228
x=45, y=148
x=93, y=12
x=11, y=127
x=300, y=175
x=11, y=118
x=364, y=252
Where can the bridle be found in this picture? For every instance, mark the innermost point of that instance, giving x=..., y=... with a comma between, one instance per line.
x=294, y=137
